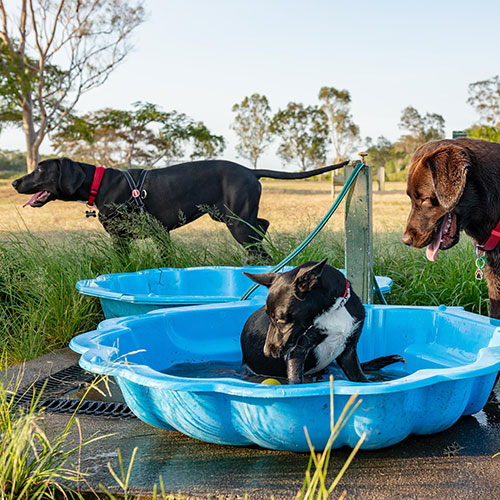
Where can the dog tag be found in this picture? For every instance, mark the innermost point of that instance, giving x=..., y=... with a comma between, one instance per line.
x=480, y=263
x=90, y=213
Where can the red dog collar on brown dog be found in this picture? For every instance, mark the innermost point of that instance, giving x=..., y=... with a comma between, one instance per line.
x=492, y=241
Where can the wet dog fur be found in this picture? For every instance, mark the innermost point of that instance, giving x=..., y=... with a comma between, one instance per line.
x=311, y=318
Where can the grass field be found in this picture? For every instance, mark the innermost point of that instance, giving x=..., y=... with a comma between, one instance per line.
x=43, y=252
x=288, y=205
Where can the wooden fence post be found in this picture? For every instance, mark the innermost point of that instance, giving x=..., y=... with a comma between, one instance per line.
x=358, y=233
x=381, y=178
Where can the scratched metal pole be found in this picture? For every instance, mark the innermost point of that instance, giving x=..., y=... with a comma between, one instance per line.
x=358, y=233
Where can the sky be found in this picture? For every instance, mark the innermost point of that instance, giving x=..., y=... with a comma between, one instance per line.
x=200, y=57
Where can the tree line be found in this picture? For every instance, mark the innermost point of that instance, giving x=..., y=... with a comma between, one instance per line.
x=54, y=51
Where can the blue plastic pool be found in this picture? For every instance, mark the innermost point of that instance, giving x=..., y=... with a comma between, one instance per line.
x=123, y=294
x=452, y=360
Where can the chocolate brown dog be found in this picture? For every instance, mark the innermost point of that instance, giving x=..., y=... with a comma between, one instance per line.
x=454, y=185
x=311, y=318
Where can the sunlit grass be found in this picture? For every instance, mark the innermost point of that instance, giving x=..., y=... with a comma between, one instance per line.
x=34, y=466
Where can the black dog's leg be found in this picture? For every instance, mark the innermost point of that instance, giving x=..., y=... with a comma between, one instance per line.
x=297, y=355
x=262, y=226
x=248, y=230
x=114, y=226
x=349, y=362
x=251, y=238
x=296, y=358
x=257, y=255
x=256, y=251
x=295, y=369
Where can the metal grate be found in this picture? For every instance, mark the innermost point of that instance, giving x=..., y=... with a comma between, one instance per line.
x=55, y=399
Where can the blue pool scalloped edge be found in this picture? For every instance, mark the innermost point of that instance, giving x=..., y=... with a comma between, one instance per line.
x=124, y=294
x=236, y=412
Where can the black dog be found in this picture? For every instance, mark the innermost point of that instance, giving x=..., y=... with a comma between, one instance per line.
x=174, y=195
x=311, y=318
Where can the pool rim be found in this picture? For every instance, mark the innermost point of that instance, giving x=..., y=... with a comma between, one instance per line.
x=96, y=358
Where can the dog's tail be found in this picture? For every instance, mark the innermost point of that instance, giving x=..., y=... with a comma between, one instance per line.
x=379, y=363
x=274, y=174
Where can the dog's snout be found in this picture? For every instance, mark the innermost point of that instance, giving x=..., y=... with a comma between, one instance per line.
x=407, y=239
x=272, y=350
x=15, y=183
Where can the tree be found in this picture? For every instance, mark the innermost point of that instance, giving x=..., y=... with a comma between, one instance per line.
x=12, y=161
x=380, y=152
x=389, y=155
x=251, y=125
x=303, y=132
x=143, y=136
x=486, y=132
x=73, y=45
x=205, y=145
x=395, y=157
x=343, y=133
x=484, y=96
x=420, y=128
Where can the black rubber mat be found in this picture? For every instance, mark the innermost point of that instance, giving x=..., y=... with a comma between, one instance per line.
x=56, y=391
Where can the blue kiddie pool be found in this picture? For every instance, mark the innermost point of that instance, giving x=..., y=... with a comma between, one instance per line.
x=177, y=369
x=123, y=294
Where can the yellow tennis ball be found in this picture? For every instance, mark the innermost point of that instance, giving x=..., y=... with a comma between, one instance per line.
x=271, y=381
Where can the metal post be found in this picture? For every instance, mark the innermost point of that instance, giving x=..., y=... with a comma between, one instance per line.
x=358, y=233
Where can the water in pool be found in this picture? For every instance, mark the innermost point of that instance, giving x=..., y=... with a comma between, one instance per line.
x=231, y=369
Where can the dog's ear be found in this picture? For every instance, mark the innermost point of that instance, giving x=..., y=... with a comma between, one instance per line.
x=448, y=166
x=307, y=277
x=71, y=176
x=265, y=279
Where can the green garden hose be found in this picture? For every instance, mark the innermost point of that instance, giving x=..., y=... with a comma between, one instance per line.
x=316, y=230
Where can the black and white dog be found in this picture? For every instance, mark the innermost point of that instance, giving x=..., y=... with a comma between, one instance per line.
x=311, y=318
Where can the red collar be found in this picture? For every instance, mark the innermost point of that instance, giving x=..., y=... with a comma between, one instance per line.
x=96, y=182
x=341, y=302
x=346, y=289
x=492, y=241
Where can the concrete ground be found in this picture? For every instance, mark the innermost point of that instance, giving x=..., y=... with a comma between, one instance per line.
x=454, y=464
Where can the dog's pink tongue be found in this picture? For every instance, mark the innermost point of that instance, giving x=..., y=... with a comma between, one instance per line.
x=432, y=250
x=34, y=198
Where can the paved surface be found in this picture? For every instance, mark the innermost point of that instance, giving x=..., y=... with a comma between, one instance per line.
x=455, y=464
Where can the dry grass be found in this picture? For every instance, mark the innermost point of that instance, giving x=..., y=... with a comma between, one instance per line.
x=288, y=205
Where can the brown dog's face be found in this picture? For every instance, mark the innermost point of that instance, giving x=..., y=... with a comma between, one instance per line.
x=436, y=182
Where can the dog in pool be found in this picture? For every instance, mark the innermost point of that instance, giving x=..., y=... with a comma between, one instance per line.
x=312, y=317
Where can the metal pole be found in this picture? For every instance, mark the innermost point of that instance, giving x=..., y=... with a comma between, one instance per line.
x=358, y=233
